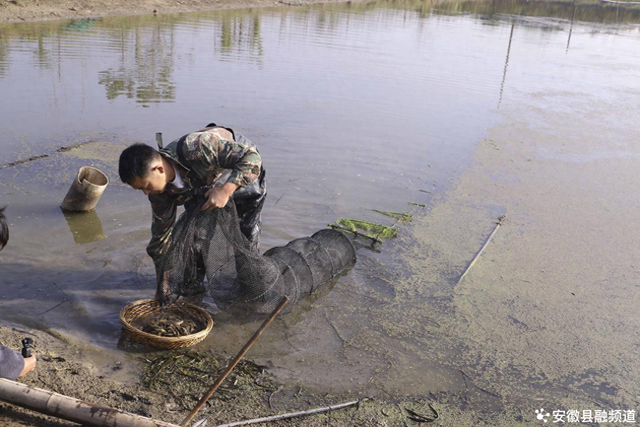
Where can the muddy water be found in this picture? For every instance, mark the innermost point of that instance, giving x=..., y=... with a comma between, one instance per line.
x=353, y=107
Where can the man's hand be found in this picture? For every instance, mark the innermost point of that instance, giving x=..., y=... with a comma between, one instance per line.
x=218, y=197
x=29, y=365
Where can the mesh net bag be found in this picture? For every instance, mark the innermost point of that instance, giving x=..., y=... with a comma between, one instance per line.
x=208, y=251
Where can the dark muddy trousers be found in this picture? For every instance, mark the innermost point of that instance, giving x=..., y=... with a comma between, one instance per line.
x=249, y=202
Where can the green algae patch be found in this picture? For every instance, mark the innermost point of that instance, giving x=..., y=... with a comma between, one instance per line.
x=369, y=229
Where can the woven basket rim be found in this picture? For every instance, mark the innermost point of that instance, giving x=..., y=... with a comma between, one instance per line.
x=152, y=339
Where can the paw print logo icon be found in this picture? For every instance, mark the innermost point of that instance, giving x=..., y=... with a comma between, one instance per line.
x=541, y=415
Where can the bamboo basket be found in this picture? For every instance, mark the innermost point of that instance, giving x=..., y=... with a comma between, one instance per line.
x=143, y=308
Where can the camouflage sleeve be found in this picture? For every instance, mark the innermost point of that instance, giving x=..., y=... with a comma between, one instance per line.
x=164, y=216
x=207, y=153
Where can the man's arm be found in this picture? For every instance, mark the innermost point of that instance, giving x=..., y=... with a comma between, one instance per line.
x=13, y=365
x=218, y=197
x=208, y=153
x=164, y=216
x=29, y=365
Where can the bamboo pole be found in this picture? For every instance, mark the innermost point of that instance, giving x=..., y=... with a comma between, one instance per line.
x=292, y=414
x=235, y=361
x=71, y=409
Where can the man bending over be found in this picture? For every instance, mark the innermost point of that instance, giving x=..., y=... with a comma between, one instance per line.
x=214, y=164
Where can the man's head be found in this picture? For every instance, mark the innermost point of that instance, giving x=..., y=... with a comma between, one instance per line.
x=4, y=229
x=142, y=167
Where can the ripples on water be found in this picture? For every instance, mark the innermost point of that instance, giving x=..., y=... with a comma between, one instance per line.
x=353, y=106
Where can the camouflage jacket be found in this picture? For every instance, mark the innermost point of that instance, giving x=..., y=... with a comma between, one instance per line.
x=205, y=155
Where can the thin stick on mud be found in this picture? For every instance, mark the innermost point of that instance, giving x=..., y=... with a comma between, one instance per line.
x=475, y=258
x=292, y=414
x=234, y=362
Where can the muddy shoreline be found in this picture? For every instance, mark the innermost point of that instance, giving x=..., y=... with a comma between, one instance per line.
x=250, y=391
x=49, y=10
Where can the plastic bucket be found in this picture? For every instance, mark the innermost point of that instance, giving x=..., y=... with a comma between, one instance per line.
x=85, y=191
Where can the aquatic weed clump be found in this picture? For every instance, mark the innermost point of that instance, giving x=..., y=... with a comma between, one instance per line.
x=369, y=229
x=185, y=376
x=376, y=232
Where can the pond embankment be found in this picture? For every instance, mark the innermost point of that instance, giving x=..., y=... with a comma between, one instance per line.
x=45, y=10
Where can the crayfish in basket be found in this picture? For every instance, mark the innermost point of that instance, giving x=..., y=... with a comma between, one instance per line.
x=169, y=325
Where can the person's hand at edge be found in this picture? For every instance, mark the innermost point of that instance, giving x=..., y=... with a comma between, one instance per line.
x=218, y=197
x=29, y=365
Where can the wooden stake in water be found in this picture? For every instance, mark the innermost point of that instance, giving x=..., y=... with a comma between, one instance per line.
x=475, y=258
x=234, y=362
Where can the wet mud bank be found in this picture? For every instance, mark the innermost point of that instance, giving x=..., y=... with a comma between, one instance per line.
x=166, y=385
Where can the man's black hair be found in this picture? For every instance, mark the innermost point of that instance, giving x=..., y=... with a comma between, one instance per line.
x=135, y=161
x=4, y=229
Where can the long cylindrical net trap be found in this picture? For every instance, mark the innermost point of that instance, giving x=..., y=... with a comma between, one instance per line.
x=209, y=245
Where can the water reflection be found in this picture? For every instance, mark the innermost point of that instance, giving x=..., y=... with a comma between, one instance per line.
x=496, y=10
x=145, y=66
x=506, y=64
x=145, y=47
x=241, y=34
x=4, y=63
x=85, y=227
x=80, y=25
x=573, y=17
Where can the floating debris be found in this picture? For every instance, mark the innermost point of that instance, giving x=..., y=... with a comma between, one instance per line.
x=355, y=233
x=417, y=204
x=399, y=216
